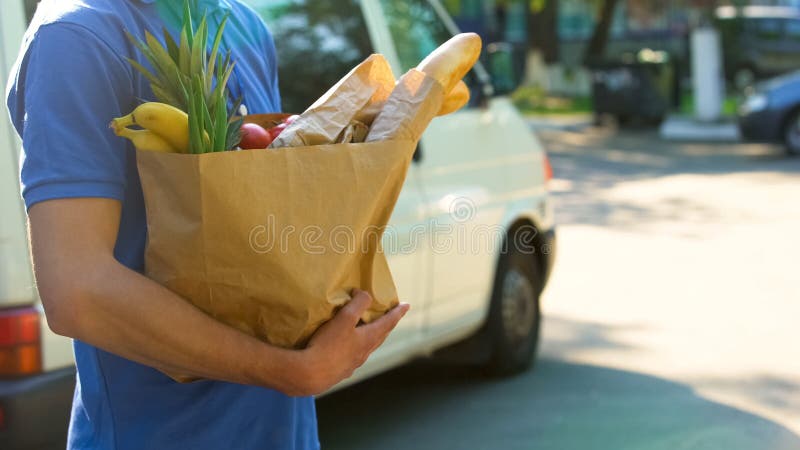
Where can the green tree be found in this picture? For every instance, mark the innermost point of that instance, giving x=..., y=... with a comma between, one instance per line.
x=318, y=43
x=543, y=29
x=596, y=47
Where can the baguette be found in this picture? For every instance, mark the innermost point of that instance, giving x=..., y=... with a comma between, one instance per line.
x=352, y=98
x=455, y=100
x=421, y=93
x=449, y=63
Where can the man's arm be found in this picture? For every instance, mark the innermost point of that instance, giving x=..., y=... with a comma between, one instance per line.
x=91, y=297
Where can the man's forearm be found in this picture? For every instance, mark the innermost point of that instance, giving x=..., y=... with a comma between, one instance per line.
x=127, y=314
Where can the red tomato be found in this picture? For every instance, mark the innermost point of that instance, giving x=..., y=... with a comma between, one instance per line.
x=276, y=130
x=254, y=137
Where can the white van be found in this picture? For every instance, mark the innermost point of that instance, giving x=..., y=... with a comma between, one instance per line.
x=471, y=241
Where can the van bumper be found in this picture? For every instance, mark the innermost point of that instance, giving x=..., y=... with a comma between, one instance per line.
x=35, y=410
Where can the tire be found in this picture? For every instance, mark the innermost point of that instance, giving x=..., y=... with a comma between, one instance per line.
x=791, y=134
x=514, y=314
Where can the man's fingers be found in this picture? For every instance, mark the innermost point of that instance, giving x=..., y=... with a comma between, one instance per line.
x=352, y=311
x=377, y=331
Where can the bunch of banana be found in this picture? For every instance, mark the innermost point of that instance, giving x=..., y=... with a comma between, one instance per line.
x=165, y=128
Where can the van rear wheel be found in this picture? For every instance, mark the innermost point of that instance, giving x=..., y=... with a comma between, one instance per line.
x=514, y=314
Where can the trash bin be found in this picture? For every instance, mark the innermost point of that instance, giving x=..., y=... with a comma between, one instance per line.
x=635, y=88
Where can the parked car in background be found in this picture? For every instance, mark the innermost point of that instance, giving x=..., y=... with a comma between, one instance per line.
x=471, y=241
x=758, y=42
x=771, y=112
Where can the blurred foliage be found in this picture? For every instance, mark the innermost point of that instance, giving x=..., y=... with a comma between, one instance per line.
x=535, y=100
x=730, y=104
x=537, y=6
x=454, y=6
x=318, y=43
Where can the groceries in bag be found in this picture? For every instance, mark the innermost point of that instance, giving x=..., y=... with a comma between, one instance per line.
x=272, y=242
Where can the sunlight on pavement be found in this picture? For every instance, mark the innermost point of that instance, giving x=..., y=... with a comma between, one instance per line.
x=670, y=321
x=686, y=264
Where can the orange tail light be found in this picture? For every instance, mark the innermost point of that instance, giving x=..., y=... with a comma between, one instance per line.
x=548, y=169
x=20, y=342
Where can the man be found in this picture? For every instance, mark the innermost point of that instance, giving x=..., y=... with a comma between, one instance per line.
x=87, y=231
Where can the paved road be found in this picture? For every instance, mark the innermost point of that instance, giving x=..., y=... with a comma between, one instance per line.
x=672, y=320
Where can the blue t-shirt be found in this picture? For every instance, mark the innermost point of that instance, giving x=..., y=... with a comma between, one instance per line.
x=70, y=80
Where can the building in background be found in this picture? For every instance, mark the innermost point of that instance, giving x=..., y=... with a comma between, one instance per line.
x=656, y=24
x=661, y=25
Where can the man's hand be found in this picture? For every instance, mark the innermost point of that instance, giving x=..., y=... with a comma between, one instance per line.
x=341, y=346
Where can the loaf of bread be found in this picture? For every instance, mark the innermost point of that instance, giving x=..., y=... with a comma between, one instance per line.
x=449, y=63
x=432, y=88
x=455, y=100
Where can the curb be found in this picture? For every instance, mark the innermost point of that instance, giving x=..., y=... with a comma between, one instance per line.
x=560, y=122
x=677, y=128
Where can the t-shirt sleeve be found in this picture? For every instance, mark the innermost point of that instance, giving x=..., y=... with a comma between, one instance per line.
x=264, y=43
x=272, y=58
x=68, y=86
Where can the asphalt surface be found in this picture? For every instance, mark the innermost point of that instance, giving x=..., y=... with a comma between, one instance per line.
x=672, y=320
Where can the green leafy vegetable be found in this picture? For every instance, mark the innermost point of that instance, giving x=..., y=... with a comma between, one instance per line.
x=185, y=75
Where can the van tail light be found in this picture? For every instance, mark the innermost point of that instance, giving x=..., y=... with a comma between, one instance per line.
x=20, y=342
x=548, y=169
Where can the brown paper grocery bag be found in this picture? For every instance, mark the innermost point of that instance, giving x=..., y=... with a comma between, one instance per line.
x=272, y=241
